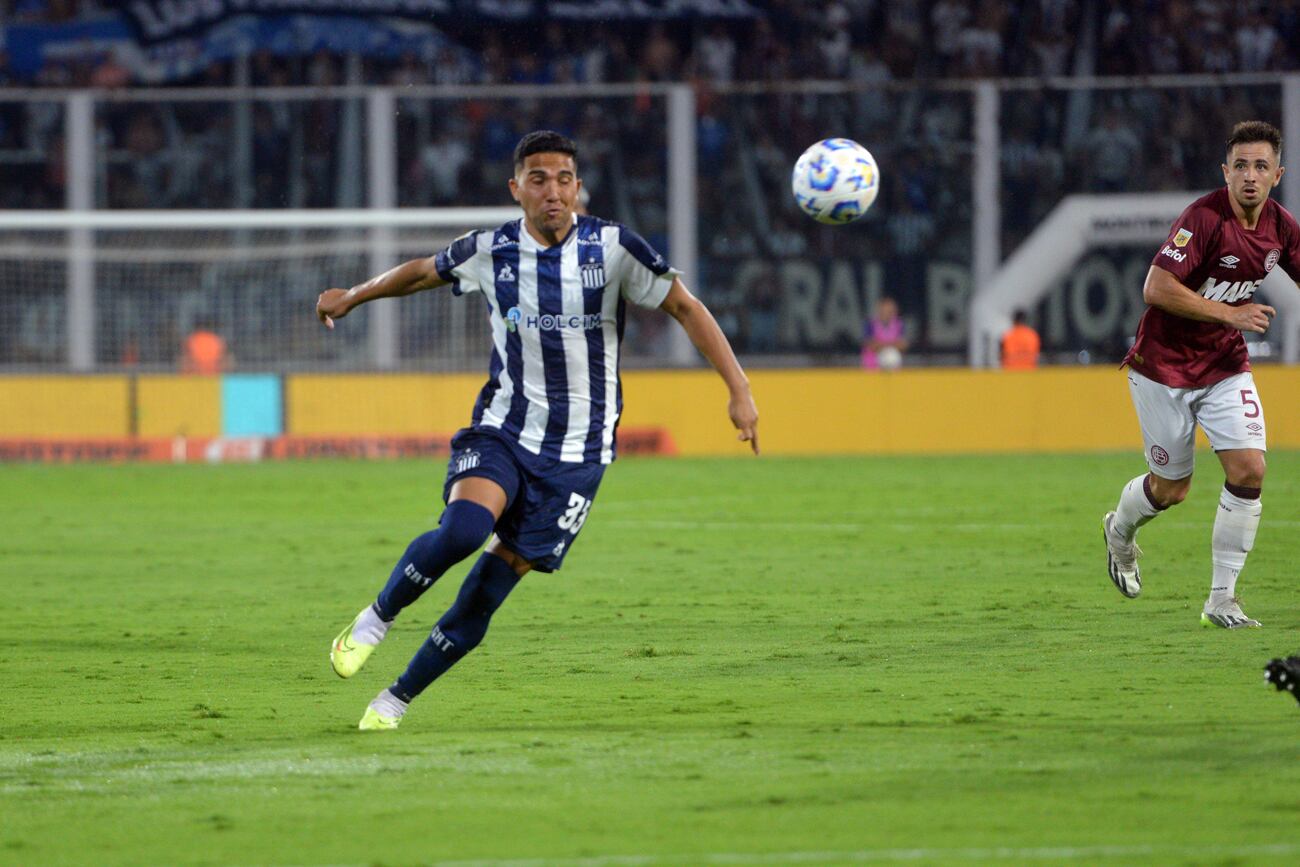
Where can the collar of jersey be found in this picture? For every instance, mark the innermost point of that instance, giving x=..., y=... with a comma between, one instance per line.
x=537, y=245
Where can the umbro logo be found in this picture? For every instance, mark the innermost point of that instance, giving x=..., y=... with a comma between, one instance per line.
x=1229, y=261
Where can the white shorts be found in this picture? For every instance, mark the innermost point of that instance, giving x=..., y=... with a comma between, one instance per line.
x=1229, y=412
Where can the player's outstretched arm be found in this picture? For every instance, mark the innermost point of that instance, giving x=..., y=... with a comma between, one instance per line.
x=1163, y=290
x=702, y=328
x=405, y=279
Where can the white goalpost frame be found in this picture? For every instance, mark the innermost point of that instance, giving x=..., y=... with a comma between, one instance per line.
x=79, y=250
x=1078, y=224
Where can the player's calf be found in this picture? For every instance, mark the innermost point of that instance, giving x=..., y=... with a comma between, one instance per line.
x=462, y=628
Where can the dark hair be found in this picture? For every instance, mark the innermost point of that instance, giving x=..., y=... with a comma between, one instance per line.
x=1020, y=317
x=1249, y=131
x=544, y=141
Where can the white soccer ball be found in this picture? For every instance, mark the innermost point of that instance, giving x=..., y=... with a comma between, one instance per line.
x=835, y=181
x=889, y=358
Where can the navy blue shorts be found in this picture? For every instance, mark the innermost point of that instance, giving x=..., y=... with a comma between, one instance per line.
x=546, y=501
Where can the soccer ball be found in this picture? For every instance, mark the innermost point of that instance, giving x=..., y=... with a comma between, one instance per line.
x=835, y=181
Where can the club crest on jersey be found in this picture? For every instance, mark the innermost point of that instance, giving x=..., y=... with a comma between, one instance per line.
x=593, y=275
x=1271, y=259
x=1182, y=237
x=506, y=274
x=466, y=460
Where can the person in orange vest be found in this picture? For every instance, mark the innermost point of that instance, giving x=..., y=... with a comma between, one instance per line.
x=204, y=351
x=1020, y=344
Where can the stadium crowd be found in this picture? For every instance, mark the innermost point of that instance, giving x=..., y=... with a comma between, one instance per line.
x=1054, y=140
x=792, y=40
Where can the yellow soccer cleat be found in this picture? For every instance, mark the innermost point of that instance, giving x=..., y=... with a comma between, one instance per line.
x=373, y=721
x=383, y=714
x=348, y=652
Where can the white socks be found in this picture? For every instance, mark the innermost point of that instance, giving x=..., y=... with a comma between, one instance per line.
x=388, y=705
x=370, y=629
x=1234, y=536
x=1135, y=509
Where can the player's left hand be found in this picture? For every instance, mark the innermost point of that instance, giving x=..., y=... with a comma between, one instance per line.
x=744, y=415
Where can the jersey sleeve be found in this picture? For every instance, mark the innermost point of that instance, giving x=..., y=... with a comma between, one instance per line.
x=459, y=264
x=1189, y=241
x=1291, y=250
x=645, y=275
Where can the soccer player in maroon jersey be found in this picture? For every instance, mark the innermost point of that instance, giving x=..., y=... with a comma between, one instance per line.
x=1189, y=367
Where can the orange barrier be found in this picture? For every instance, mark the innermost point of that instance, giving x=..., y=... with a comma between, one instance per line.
x=179, y=450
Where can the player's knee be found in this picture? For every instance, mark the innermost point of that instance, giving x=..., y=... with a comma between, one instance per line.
x=464, y=527
x=1247, y=471
x=518, y=564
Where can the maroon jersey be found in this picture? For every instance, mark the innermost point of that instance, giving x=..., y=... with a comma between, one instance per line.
x=1210, y=253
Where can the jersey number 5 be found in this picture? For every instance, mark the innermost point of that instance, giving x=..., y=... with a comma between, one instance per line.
x=1253, y=412
x=573, y=519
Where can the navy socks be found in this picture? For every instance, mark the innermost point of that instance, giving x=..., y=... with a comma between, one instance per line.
x=463, y=626
x=462, y=530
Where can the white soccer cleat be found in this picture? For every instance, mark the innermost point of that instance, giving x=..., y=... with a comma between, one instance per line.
x=1226, y=615
x=1121, y=560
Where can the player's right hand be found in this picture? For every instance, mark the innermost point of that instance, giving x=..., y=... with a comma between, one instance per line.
x=1251, y=317
x=744, y=415
x=332, y=304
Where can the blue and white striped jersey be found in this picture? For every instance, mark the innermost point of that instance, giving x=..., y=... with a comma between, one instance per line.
x=557, y=317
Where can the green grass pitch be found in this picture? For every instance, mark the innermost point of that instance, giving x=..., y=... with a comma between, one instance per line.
x=769, y=661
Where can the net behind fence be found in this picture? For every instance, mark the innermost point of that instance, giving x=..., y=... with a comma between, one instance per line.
x=140, y=287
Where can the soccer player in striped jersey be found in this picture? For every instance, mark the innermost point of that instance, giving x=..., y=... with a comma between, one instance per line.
x=1188, y=366
x=525, y=472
